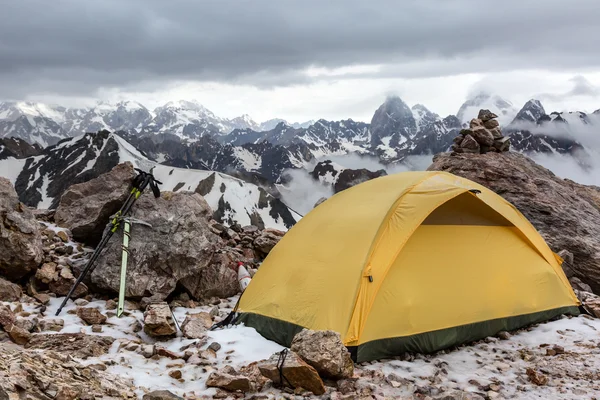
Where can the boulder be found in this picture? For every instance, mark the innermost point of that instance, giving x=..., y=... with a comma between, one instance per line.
x=31, y=377
x=21, y=249
x=294, y=370
x=324, y=351
x=9, y=291
x=178, y=248
x=85, y=208
x=195, y=325
x=158, y=320
x=565, y=213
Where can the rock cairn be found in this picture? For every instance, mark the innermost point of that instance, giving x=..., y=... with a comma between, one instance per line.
x=482, y=136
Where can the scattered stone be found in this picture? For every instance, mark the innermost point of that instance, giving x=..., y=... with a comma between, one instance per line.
x=42, y=298
x=195, y=325
x=97, y=328
x=536, y=378
x=61, y=287
x=325, y=352
x=229, y=382
x=147, y=350
x=158, y=320
x=27, y=324
x=555, y=350
x=81, y=302
x=214, y=312
x=504, y=335
x=161, y=395
x=18, y=334
x=9, y=291
x=175, y=374
x=111, y=304
x=54, y=324
x=214, y=346
x=91, y=316
x=53, y=375
x=162, y=352
x=7, y=317
x=78, y=345
x=295, y=371
x=63, y=236
x=266, y=241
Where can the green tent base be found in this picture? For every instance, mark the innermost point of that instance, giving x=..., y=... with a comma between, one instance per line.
x=283, y=332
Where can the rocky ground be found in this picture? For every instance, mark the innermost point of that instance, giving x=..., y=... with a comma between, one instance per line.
x=182, y=279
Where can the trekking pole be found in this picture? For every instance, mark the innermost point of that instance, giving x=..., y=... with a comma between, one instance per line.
x=140, y=182
x=127, y=221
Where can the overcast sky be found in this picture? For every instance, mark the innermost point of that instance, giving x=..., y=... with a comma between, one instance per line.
x=303, y=59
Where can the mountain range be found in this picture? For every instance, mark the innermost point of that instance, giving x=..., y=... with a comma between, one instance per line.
x=186, y=136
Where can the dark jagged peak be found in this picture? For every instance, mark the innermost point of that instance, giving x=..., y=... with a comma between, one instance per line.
x=391, y=120
x=18, y=148
x=532, y=111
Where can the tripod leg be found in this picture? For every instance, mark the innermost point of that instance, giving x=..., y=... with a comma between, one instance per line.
x=126, y=237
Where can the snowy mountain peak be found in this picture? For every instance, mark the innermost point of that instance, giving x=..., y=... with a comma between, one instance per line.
x=505, y=110
x=531, y=112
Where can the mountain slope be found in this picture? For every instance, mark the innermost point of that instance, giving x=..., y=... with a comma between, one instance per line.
x=44, y=178
x=532, y=130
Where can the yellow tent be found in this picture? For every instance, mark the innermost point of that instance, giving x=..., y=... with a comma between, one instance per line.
x=410, y=262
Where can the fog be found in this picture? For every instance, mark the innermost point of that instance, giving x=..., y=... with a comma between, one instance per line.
x=302, y=191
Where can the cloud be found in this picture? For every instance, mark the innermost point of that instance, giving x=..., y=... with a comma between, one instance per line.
x=581, y=87
x=568, y=167
x=74, y=47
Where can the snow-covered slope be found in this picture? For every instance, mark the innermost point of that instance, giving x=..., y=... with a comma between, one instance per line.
x=41, y=180
x=534, y=131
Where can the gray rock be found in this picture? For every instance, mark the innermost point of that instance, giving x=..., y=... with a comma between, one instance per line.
x=324, y=351
x=158, y=320
x=9, y=291
x=21, y=249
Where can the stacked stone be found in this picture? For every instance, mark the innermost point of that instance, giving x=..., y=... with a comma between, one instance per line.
x=482, y=136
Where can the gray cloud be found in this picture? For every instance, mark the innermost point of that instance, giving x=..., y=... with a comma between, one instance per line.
x=74, y=47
